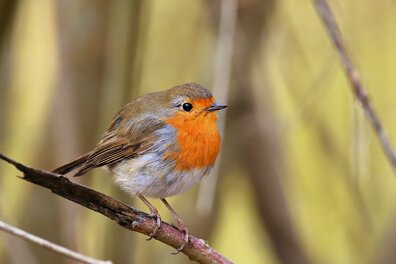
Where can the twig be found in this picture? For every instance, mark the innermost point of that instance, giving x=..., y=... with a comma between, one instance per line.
x=49, y=245
x=358, y=90
x=221, y=86
x=126, y=216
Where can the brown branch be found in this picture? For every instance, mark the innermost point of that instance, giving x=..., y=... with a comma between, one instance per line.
x=353, y=75
x=126, y=216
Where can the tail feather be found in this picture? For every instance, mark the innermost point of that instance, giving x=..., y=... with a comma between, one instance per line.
x=68, y=167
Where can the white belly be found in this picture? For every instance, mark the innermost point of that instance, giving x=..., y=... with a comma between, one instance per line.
x=151, y=176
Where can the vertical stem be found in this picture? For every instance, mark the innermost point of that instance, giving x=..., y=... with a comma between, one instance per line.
x=221, y=84
x=353, y=75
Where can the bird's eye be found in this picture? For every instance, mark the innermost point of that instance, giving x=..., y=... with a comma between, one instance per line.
x=187, y=107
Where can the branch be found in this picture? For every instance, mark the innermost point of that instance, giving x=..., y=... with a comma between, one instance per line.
x=126, y=216
x=353, y=75
x=49, y=245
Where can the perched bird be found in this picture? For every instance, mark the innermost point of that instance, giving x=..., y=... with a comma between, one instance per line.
x=158, y=145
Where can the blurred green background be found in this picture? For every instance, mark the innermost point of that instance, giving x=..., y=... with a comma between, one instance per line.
x=301, y=178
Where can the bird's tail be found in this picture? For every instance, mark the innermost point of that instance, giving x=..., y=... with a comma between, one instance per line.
x=71, y=165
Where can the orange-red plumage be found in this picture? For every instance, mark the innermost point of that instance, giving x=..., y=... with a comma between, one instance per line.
x=197, y=136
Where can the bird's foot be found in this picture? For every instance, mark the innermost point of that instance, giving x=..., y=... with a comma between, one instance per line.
x=155, y=215
x=184, y=230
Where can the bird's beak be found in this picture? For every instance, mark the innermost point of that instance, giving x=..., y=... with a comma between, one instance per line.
x=215, y=107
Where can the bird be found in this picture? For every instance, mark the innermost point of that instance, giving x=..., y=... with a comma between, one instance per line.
x=158, y=145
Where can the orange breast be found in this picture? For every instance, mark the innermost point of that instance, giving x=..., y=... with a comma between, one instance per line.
x=198, y=140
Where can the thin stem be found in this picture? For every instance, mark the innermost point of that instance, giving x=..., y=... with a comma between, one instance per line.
x=221, y=86
x=49, y=245
x=353, y=75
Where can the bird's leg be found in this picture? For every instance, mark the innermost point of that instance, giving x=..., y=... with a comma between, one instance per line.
x=154, y=213
x=181, y=226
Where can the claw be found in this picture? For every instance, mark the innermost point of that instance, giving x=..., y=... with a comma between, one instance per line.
x=181, y=226
x=157, y=218
x=154, y=214
x=183, y=229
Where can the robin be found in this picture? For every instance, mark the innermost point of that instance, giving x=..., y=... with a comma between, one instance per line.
x=158, y=145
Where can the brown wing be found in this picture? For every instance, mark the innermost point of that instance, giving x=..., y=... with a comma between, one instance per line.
x=124, y=140
x=116, y=146
x=109, y=153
